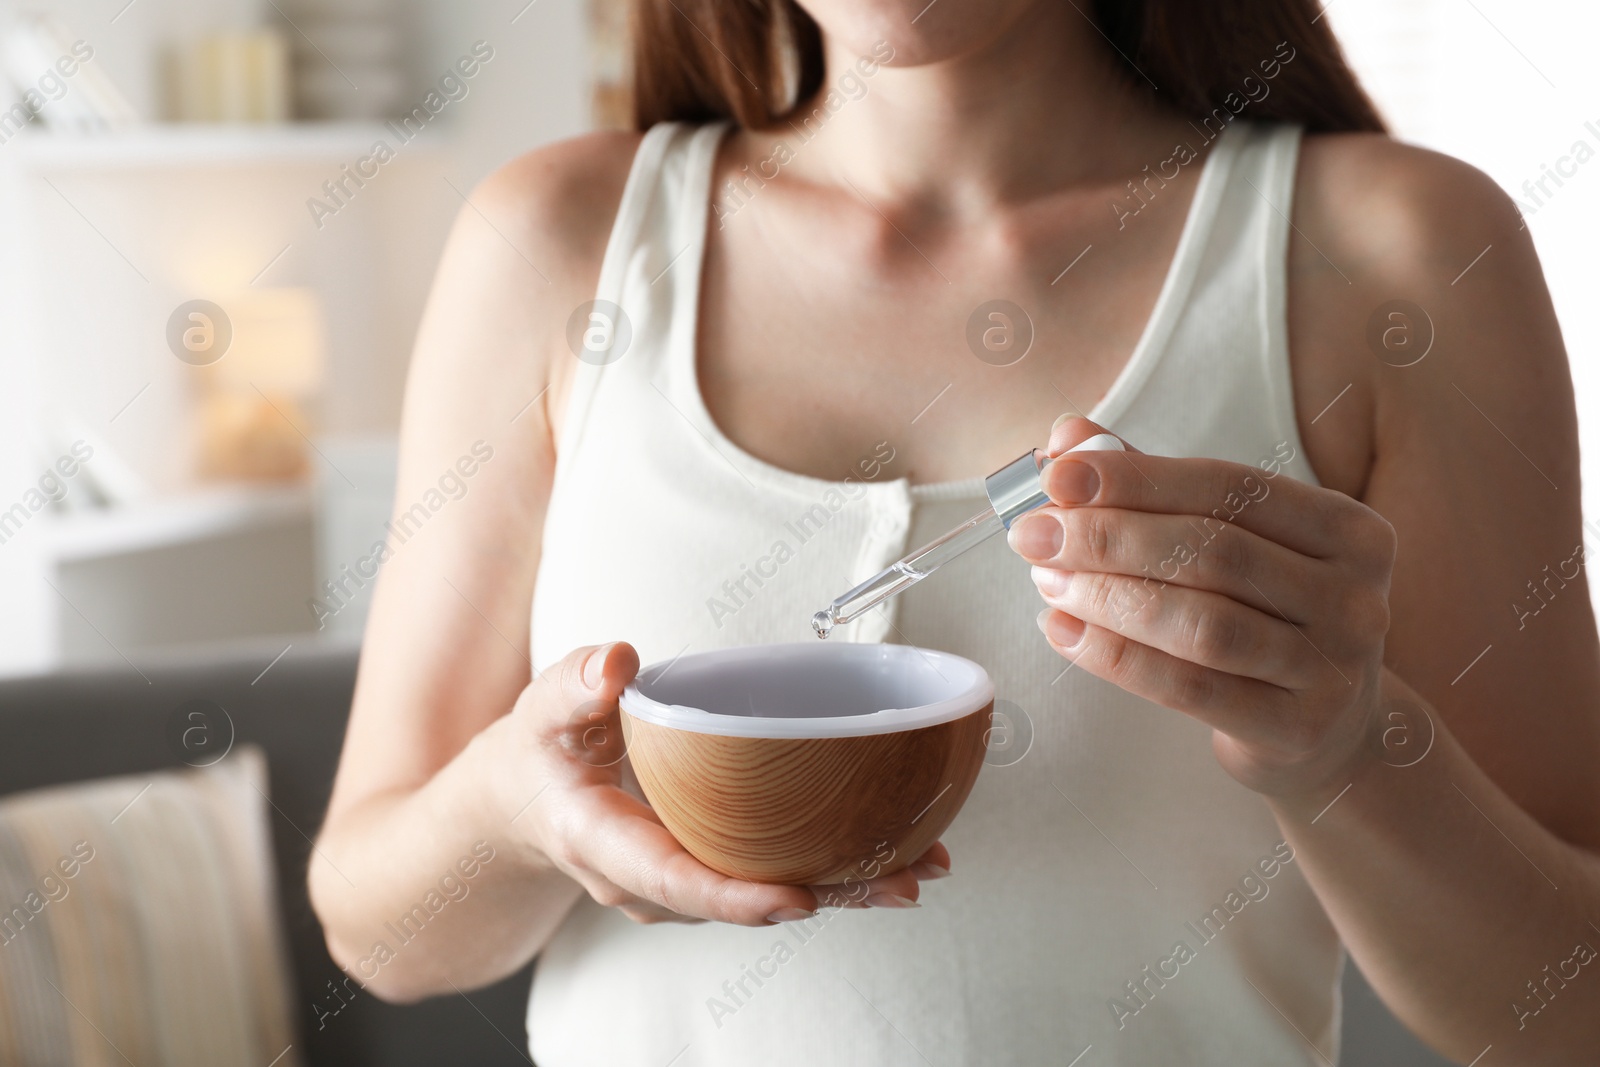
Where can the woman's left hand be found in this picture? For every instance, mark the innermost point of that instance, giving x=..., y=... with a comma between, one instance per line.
x=1253, y=602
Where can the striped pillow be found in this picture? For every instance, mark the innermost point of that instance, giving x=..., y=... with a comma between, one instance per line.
x=138, y=922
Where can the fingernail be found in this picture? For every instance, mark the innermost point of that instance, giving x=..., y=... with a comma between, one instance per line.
x=789, y=915
x=890, y=900
x=1062, y=629
x=1050, y=581
x=1054, y=426
x=1072, y=481
x=927, y=872
x=595, y=670
x=1036, y=537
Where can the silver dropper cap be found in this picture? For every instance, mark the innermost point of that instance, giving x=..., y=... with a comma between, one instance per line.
x=1013, y=490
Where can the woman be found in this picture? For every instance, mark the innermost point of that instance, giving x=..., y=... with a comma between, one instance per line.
x=1326, y=680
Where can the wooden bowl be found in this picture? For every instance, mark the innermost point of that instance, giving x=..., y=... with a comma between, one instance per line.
x=808, y=764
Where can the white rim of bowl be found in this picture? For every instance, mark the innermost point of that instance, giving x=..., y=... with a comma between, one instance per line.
x=979, y=691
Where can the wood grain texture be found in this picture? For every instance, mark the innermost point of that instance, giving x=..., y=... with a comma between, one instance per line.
x=808, y=811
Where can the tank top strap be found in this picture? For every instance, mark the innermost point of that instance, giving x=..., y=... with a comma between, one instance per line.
x=661, y=218
x=646, y=293
x=1275, y=164
x=1228, y=327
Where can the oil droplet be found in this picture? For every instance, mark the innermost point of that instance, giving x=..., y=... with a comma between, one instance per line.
x=822, y=622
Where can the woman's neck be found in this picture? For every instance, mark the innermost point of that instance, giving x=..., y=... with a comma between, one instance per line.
x=1041, y=105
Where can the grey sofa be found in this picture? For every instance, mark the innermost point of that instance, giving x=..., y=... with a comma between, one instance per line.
x=110, y=721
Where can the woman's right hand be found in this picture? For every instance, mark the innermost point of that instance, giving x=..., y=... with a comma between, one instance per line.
x=563, y=786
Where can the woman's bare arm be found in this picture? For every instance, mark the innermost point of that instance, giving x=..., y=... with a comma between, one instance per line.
x=446, y=650
x=453, y=754
x=1434, y=776
x=1457, y=881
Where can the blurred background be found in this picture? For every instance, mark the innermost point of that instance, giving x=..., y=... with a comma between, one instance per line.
x=227, y=151
x=273, y=180
x=224, y=151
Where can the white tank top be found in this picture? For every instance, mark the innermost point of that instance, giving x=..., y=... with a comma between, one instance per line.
x=1111, y=886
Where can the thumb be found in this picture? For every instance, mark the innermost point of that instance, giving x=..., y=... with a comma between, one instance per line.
x=590, y=685
x=1070, y=431
x=594, y=672
x=576, y=699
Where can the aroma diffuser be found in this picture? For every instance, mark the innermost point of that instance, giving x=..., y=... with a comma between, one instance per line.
x=808, y=764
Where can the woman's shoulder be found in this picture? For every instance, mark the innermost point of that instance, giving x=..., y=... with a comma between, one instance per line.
x=1393, y=207
x=1397, y=252
x=563, y=195
x=525, y=251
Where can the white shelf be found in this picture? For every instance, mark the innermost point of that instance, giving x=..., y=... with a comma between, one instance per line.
x=163, y=145
x=184, y=519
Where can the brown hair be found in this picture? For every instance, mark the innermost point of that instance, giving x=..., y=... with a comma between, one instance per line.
x=753, y=60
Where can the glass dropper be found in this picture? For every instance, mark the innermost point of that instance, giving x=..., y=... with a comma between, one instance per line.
x=1013, y=490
